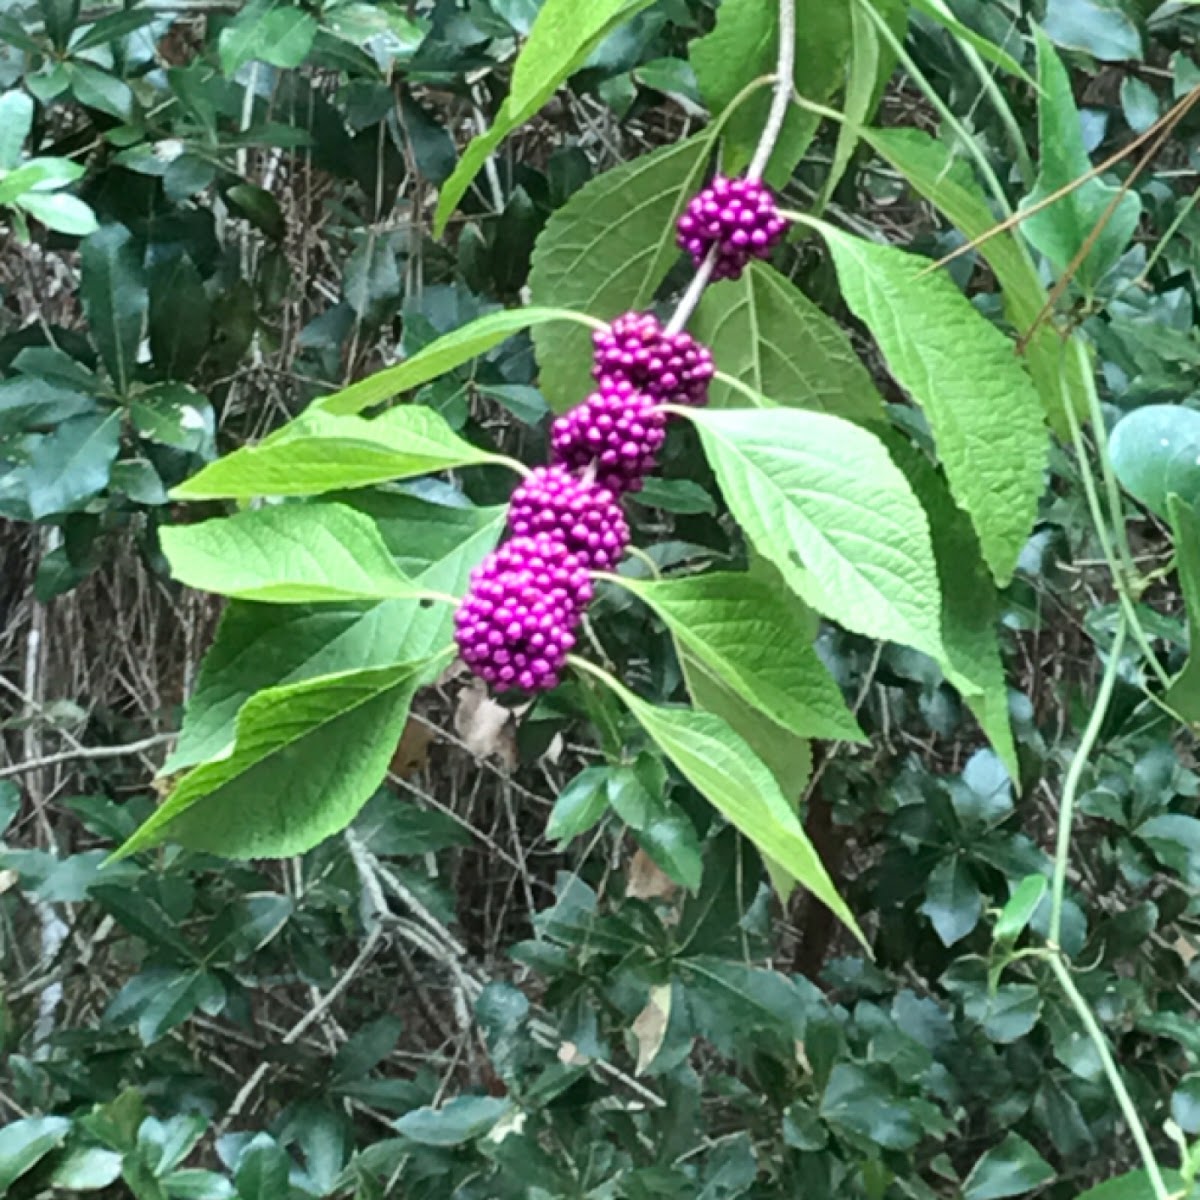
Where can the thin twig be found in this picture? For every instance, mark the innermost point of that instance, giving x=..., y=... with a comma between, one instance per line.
x=87, y=752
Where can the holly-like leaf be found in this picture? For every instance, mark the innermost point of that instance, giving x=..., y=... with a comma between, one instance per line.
x=1155, y=452
x=293, y=554
x=1060, y=230
x=112, y=285
x=824, y=502
x=767, y=333
x=984, y=411
x=931, y=167
x=606, y=251
x=306, y=758
x=320, y=452
x=749, y=635
x=449, y=351
x=1013, y=1168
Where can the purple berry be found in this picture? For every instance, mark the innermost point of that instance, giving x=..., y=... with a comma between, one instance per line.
x=617, y=431
x=516, y=624
x=669, y=368
x=739, y=217
x=584, y=516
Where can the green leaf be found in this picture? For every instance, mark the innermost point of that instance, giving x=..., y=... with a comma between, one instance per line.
x=1019, y=910
x=270, y=32
x=736, y=626
x=115, y=27
x=261, y=645
x=113, y=288
x=61, y=212
x=953, y=902
x=744, y=46
x=1013, y=1168
x=723, y=769
x=88, y=1169
x=985, y=414
x=444, y=355
x=462, y=1120
x=180, y=316
x=563, y=36
x=191, y=1184
x=23, y=1144
x=606, y=251
x=765, y=332
x=986, y=49
x=1184, y=693
x=98, y=89
x=1155, y=452
x=579, y=806
x=858, y=1101
x=72, y=464
x=320, y=452
x=1096, y=27
x=173, y=414
x=306, y=758
x=32, y=402
x=1175, y=840
x=1135, y=1185
x=971, y=658
x=822, y=500
x=59, y=17
x=1060, y=231
x=16, y=120
x=670, y=839
x=293, y=554
x=931, y=167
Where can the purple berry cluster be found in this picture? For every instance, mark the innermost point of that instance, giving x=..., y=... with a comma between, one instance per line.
x=739, y=217
x=669, y=368
x=585, y=517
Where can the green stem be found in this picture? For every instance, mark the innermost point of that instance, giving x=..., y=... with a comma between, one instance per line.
x=1066, y=809
x=1120, y=1091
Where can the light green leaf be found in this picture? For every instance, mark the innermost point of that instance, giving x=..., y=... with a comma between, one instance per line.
x=261, y=645
x=1135, y=1185
x=748, y=634
x=1184, y=693
x=579, y=806
x=744, y=46
x=16, y=120
x=88, y=1169
x=173, y=414
x=293, y=554
x=1096, y=27
x=1155, y=452
x=1060, y=230
x=822, y=500
x=1021, y=906
x=267, y=31
x=931, y=168
x=723, y=769
x=194, y=1184
x=72, y=464
x=61, y=212
x=1013, y=1168
x=38, y=174
x=320, y=452
x=448, y=352
x=307, y=757
x=98, y=89
x=983, y=408
x=767, y=333
x=971, y=660
x=23, y=1144
x=462, y=1120
x=606, y=251
x=113, y=288
x=563, y=36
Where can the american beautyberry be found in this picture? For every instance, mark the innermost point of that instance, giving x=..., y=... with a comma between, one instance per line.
x=516, y=624
x=739, y=217
x=669, y=368
x=584, y=516
x=617, y=430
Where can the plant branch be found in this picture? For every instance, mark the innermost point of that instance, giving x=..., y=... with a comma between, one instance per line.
x=785, y=76
x=51, y=760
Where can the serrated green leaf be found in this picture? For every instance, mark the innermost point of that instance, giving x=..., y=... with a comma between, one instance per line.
x=824, y=502
x=1155, y=452
x=1060, y=230
x=306, y=758
x=744, y=46
x=982, y=406
x=444, y=355
x=932, y=169
x=113, y=288
x=562, y=37
x=261, y=645
x=320, y=452
x=744, y=631
x=606, y=251
x=1013, y=1168
x=723, y=769
x=765, y=332
x=294, y=554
